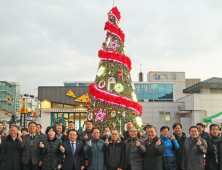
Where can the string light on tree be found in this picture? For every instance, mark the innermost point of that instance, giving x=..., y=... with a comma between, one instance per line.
x=118, y=87
x=100, y=115
x=102, y=84
x=100, y=71
x=114, y=45
x=134, y=97
x=139, y=121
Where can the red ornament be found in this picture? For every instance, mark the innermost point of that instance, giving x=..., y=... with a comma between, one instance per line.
x=88, y=105
x=116, y=79
x=119, y=66
x=120, y=75
x=106, y=115
x=95, y=110
x=128, y=112
x=100, y=136
x=126, y=82
x=134, y=113
x=110, y=117
x=128, y=94
x=97, y=126
x=107, y=64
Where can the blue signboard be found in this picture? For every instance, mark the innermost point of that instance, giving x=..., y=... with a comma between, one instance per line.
x=154, y=91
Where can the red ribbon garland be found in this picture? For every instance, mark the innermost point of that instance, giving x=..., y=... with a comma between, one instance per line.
x=116, y=12
x=114, y=29
x=110, y=98
x=115, y=56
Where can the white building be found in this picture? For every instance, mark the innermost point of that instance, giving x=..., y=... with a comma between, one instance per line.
x=166, y=98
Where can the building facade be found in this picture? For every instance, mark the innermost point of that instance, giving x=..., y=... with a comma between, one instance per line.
x=58, y=106
x=166, y=98
x=10, y=98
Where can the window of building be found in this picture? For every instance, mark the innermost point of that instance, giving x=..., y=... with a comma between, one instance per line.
x=164, y=116
x=57, y=105
x=64, y=118
x=161, y=114
x=68, y=106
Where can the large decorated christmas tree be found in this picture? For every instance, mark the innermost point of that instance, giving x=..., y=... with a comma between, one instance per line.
x=113, y=101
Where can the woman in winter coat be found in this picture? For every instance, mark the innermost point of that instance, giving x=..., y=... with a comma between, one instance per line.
x=171, y=144
x=52, y=158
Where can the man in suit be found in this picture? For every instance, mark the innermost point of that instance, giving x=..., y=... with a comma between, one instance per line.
x=74, y=152
x=32, y=149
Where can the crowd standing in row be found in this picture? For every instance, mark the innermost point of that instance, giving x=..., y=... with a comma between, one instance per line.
x=31, y=149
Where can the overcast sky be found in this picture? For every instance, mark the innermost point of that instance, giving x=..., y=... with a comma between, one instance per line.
x=47, y=42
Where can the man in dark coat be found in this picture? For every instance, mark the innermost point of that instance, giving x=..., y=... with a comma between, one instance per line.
x=125, y=135
x=71, y=125
x=74, y=152
x=115, y=152
x=59, y=132
x=11, y=152
x=154, y=150
x=32, y=149
x=106, y=134
x=39, y=131
x=2, y=136
x=214, y=150
x=135, y=148
x=201, y=131
x=180, y=137
x=85, y=137
x=193, y=150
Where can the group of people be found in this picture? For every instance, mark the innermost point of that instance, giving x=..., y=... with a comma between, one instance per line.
x=55, y=149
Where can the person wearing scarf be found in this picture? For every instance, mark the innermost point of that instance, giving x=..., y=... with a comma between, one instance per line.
x=214, y=150
x=180, y=137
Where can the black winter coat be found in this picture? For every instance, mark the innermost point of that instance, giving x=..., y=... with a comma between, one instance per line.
x=104, y=138
x=115, y=155
x=11, y=153
x=52, y=156
x=154, y=155
x=179, y=151
x=210, y=156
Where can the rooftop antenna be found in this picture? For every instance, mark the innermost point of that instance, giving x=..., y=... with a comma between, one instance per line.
x=140, y=66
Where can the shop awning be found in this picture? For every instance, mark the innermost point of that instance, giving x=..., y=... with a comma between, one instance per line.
x=217, y=118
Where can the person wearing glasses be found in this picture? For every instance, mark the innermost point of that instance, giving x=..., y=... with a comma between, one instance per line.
x=52, y=156
x=95, y=150
x=135, y=148
x=115, y=152
x=74, y=152
x=193, y=150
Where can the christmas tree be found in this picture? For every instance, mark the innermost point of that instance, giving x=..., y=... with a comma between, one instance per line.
x=113, y=102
